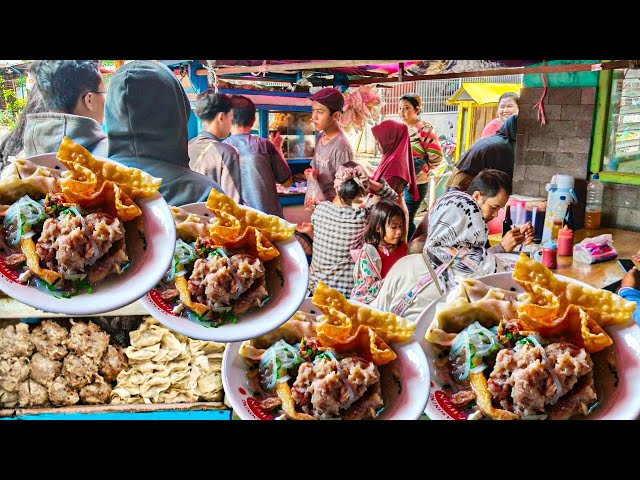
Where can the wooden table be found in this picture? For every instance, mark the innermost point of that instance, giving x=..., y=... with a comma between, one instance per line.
x=601, y=274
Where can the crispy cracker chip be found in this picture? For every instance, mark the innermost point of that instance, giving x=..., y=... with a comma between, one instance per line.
x=605, y=307
x=33, y=262
x=253, y=242
x=271, y=226
x=389, y=326
x=134, y=182
x=288, y=404
x=581, y=329
x=345, y=326
x=91, y=182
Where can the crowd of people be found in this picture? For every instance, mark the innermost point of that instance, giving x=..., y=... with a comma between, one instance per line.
x=365, y=242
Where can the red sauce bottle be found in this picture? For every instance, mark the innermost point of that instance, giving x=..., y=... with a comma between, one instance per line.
x=565, y=242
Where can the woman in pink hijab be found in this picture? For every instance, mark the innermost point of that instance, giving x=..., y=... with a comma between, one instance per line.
x=396, y=166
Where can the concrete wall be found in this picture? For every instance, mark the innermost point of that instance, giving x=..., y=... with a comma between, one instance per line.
x=560, y=146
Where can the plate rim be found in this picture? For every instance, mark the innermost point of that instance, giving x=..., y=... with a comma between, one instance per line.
x=230, y=332
x=114, y=300
x=432, y=411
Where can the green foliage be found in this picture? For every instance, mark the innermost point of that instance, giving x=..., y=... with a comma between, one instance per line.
x=13, y=106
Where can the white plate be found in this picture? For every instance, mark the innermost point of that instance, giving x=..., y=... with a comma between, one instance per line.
x=286, y=294
x=507, y=261
x=618, y=403
x=407, y=403
x=147, y=264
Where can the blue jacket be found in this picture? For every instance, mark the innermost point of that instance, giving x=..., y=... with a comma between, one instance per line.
x=632, y=295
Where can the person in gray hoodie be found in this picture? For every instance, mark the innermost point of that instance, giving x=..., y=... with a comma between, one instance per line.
x=146, y=113
x=73, y=93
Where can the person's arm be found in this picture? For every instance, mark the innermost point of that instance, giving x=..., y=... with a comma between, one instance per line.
x=383, y=190
x=279, y=166
x=630, y=290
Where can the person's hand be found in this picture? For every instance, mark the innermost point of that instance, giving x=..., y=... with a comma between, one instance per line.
x=276, y=139
x=529, y=232
x=631, y=279
x=636, y=257
x=512, y=239
x=311, y=172
x=305, y=227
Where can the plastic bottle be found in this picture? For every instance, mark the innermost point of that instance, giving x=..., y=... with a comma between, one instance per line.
x=550, y=255
x=593, y=211
x=565, y=242
x=559, y=212
x=506, y=223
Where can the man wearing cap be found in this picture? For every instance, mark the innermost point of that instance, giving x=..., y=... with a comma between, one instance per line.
x=332, y=147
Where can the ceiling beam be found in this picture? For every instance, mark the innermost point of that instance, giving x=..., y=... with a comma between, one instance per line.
x=581, y=67
x=286, y=67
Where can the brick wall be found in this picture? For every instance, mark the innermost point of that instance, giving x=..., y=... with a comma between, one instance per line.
x=620, y=206
x=559, y=146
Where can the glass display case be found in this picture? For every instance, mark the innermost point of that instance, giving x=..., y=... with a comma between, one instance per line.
x=297, y=132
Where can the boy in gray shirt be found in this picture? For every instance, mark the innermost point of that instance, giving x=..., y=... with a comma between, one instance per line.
x=332, y=147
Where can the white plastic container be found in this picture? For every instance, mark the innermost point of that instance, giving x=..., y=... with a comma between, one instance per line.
x=560, y=186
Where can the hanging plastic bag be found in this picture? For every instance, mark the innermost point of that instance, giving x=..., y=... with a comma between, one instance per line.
x=314, y=194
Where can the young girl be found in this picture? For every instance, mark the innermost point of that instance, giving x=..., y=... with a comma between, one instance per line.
x=383, y=247
x=337, y=227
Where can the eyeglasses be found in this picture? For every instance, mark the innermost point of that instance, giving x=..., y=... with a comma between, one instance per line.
x=94, y=91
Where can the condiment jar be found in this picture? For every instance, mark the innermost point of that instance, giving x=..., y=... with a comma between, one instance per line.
x=565, y=242
x=549, y=255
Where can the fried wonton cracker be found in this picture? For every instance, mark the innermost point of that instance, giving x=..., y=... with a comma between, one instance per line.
x=273, y=227
x=389, y=326
x=581, y=329
x=288, y=404
x=605, y=307
x=252, y=241
x=89, y=181
x=344, y=326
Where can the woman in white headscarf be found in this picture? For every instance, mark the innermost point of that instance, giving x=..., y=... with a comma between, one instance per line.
x=455, y=247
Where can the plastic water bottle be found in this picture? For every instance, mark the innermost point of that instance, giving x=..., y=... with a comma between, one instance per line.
x=593, y=211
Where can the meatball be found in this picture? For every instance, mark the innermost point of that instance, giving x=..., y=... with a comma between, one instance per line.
x=50, y=339
x=87, y=339
x=79, y=370
x=32, y=394
x=61, y=393
x=8, y=399
x=112, y=363
x=43, y=369
x=96, y=393
x=15, y=341
x=13, y=371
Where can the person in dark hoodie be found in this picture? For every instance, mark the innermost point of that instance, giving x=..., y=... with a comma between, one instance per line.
x=73, y=93
x=146, y=114
x=496, y=151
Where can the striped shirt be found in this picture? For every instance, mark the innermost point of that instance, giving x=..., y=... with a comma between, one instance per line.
x=337, y=231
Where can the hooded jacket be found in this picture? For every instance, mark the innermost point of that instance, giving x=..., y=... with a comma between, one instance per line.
x=146, y=114
x=43, y=133
x=496, y=151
